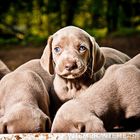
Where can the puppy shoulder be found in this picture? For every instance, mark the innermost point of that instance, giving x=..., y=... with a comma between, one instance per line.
x=128, y=69
x=29, y=76
x=126, y=75
x=112, y=70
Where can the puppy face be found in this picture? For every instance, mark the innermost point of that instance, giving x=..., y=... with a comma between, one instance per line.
x=75, y=120
x=24, y=120
x=70, y=52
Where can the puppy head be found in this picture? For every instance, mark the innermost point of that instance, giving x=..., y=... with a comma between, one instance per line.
x=25, y=119
x=70, y=52
x=74, y=117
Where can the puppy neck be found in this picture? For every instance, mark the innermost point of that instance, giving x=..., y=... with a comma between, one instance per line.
x=67, y=89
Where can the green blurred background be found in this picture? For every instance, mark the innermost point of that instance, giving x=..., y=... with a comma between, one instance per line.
x=26, y=24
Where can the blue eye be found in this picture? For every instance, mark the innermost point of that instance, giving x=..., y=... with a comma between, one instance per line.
x=57, y=49
x=82, y=48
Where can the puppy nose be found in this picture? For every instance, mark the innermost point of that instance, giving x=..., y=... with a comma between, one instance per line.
x=71, y=66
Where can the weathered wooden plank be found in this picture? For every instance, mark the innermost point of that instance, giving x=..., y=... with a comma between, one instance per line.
x=71, y=136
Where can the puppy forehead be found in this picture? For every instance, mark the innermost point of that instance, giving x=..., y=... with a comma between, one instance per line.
x=70, y=36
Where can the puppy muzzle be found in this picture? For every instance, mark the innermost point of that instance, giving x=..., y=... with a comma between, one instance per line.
x=70, y=68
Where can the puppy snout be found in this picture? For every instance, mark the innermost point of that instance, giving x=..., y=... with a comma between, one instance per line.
x=71, y=66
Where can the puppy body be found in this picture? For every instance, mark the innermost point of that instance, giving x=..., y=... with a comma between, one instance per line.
x=24, y=105
x=113, y=56
x=69, y=88
x=103, y=105
x=77, y=61
x=3, y=69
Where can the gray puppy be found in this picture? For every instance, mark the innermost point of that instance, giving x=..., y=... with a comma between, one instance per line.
x=24, y=99
x=77, y=61
x=103, y=105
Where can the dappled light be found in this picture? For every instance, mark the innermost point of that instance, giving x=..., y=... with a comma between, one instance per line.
x=22, y=20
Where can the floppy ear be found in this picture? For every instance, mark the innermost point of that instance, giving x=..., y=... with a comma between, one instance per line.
x=46, y=58
x=97, y=57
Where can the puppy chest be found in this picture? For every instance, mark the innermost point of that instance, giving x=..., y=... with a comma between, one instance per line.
x=68, y=90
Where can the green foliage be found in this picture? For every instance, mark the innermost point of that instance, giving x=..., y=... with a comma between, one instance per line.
x=34, y=20
x=98, y=33
x=9, y=41
x=126, y=32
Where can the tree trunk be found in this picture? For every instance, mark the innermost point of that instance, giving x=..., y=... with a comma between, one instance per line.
x=70, y=8
x=112, y=15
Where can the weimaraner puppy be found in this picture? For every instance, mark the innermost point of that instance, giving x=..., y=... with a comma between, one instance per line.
x=24, y=99
x=106, y=103
x=77, y=62
x=3, y=69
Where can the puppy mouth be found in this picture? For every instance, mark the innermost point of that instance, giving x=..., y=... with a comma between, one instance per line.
x=73, y=73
